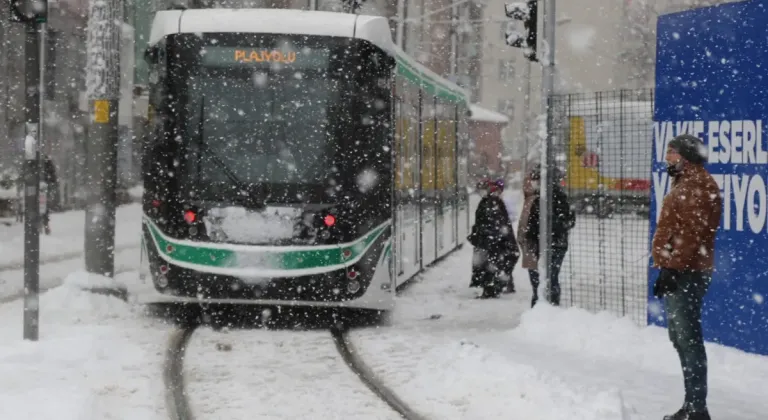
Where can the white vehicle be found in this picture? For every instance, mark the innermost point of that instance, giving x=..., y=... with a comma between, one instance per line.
x=296, y=158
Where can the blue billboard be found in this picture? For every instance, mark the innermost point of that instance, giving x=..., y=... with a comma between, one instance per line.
x=712, y=82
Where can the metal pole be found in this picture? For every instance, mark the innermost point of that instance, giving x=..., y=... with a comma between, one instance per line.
x=526, y=126
x=34, y=45
x=312, y=4
x=454, y=42
x=103, y=91
x=399, y=34
x=545, y=197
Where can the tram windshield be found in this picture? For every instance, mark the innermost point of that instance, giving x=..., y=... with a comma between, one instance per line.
x=265, y=113
x=270, y=131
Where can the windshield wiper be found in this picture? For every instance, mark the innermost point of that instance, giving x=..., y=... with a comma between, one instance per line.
x=245, y=190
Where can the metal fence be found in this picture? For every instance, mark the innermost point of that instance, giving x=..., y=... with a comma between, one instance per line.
x=602, y=143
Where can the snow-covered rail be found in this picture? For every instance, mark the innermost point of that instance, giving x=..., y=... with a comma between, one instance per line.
x=355, y=362
x=173, y=374
x=177, y=396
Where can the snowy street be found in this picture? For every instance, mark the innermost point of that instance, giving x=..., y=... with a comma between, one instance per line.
x=281, y=197
x=447, y=354
x=484, y=359
x=62, y=251
x=67, y=236
x=275, y=375
x=97, y=358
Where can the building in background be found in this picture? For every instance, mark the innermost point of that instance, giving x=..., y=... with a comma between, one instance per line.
x=600, y=46
x=65, y=108
x=485, y=131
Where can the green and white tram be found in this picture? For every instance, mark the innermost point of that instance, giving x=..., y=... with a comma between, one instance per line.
x=295, y=158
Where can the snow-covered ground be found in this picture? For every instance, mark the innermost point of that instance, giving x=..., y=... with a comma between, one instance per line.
x=97, y=358
x=67, y=236
x=447, y=354
x=455, y=357
x=275, y=375
x=53, y=274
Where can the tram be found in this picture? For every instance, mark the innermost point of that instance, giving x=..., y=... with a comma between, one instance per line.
x=295, y=158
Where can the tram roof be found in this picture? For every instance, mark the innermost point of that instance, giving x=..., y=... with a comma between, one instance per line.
x=374, y=29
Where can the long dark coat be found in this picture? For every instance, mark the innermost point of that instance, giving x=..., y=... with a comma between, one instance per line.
x=493, y=238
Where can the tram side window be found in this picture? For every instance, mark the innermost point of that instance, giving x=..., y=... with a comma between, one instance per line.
x=446, y=140
x=156, y=150
x=401, y=141
x=428, y=143
x=398, y=145
x=412, y=137
x=154, y=57
x=463, y=151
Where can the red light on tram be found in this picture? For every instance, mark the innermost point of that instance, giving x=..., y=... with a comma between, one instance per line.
x=156, y=203
x=329, y=220
x=190, y=216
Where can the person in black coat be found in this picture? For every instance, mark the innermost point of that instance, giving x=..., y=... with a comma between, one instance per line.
x=496, y=251
x=563, y=220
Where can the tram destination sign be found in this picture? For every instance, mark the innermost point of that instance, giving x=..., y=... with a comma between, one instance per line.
x=303, y=58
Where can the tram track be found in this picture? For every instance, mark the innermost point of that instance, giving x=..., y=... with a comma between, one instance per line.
x=177, y=398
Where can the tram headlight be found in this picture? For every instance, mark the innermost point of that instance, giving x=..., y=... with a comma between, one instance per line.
x=353, y=286
x=190, y=216
x=162, y=281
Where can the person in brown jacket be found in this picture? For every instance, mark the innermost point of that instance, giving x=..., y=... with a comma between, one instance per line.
x=563, y=220
x=683, y=248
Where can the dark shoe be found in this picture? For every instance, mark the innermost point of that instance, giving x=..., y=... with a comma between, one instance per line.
x=491, y=291
x=681, y=414
x=510, y=287
x=699, y=415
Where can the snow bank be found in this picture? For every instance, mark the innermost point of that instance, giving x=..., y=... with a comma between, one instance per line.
x=97, y=358
x=449, y=379
x=588, y=334
x=55, y=273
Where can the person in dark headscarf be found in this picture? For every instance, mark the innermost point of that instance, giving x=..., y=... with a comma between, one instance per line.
x=496, y=250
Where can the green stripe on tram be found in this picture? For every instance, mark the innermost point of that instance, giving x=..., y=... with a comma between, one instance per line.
x=299, y=259
x=431, y=85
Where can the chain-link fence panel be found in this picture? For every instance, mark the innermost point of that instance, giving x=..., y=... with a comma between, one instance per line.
x=602, y=143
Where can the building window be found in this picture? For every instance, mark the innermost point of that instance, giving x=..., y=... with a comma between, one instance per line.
x=506, y=107
x=506, y=70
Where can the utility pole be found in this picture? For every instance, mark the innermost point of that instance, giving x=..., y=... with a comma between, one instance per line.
x=103, y=92
x=454, y=43
x=33, y=14
x=528, y=13
x=400, y=32
x=547, y=157
x=526, y=126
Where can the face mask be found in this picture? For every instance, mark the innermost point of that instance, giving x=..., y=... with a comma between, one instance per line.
x=674, y=169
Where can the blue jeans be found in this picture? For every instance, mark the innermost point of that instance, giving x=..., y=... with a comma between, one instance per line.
x=683, y=307
x=553, y=294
